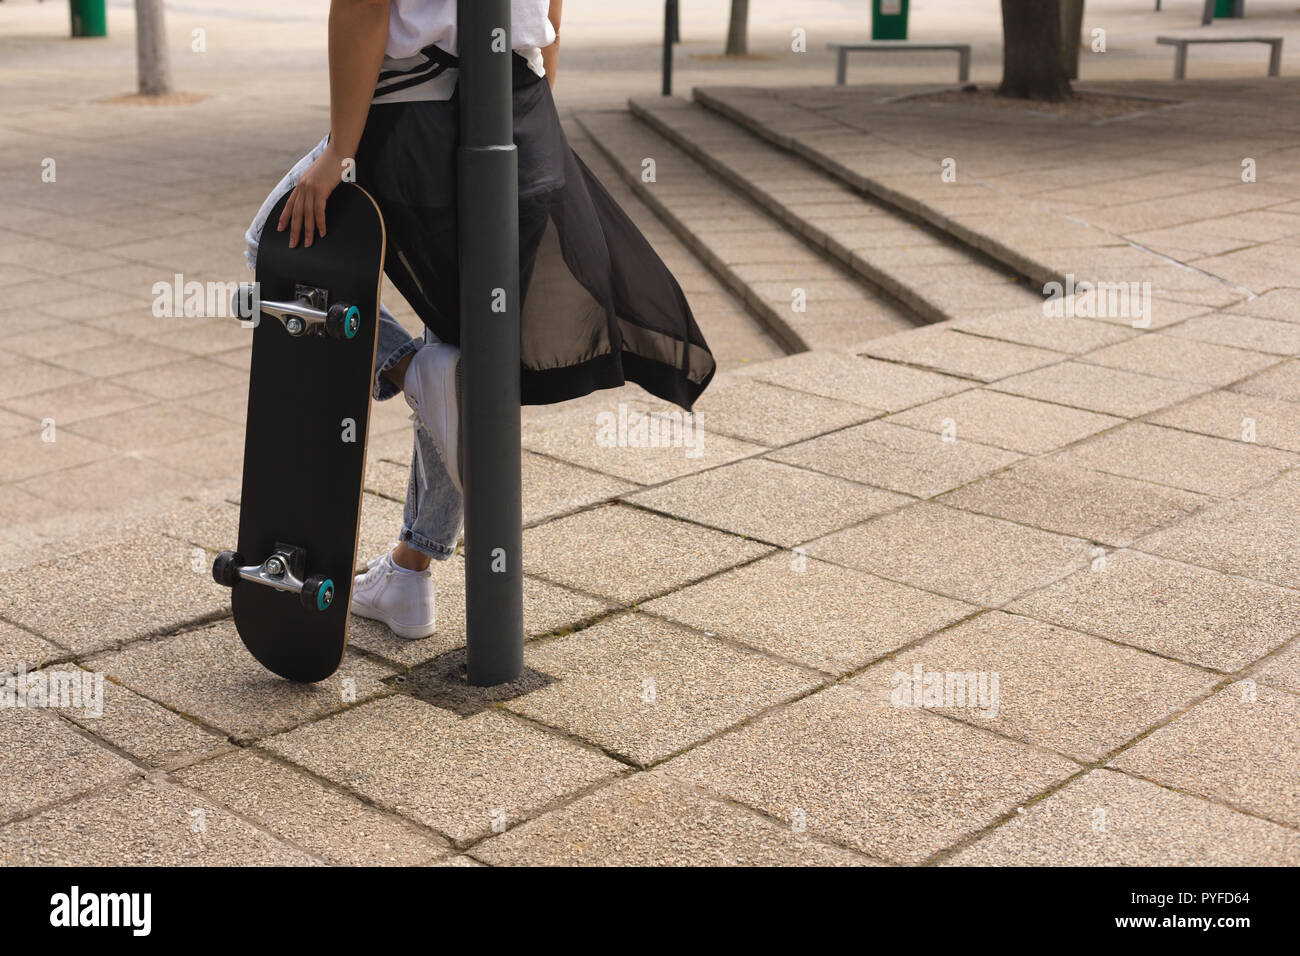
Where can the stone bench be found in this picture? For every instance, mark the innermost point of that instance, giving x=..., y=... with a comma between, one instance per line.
x=1181, y=43
x=843, y=50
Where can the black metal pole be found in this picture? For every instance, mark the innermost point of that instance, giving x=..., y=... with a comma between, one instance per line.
x=489, y=327
x=670, y=35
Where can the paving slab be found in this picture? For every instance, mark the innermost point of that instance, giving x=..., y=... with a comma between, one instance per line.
x=28, y=378
x=1107, y=818
x=952, y=352
x=1242, y=332
x=1166, y=456
x=36, y=749
x=1237, y=416
x=816, y=614
x=863, y=381
x=219, y=384
x=381, y=523
x=1078, y=695
x=1237, y=537
x=113, y=593
x=102, y=486
x=147, y=427
x=1004, y=421
x=757, y=412
x=553, y=488
x=548, y=608
x=1076, y=501
x=643, y=689
x=210, y=523
x=119, y=359
x=1177, y=610
x=966, y=556
x=22, y=649
x=73, y=403
x=1282, y=669
x=331, y=825
x=1282, y=493
x=1165, y=355
x=459, y=776
x=1280, y=304
x=206, y=674
x=651, y=819
x=214, y=457
x=897, y=458
x=895, y=783
x=1282, y=381
x=1099, y=389
x=627, y=554
x=145, y=824
x=645, y=444
x=1258, y=268
x=28, y=455
x=140, y=727
x=1203, y=752
x=768, y=501
x=1031, y=327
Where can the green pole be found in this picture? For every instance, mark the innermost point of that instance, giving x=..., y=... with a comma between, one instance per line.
x=89, y=18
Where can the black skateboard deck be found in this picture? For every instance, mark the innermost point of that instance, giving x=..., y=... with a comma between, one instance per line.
x=305, y=445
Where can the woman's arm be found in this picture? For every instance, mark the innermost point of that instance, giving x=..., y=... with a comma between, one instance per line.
x=551, y=54
x=358, y=34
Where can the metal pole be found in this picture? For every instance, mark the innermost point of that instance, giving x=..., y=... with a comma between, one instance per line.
x=670, y=34
x=489, y=326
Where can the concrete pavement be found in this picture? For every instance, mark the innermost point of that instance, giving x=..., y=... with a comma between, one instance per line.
x=983, y=585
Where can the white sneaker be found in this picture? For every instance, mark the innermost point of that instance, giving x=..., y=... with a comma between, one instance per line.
x=431, y=387
x=401, y=599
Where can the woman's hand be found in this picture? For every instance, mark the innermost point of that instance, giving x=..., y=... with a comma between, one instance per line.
x=358, y=32
x=304, y=213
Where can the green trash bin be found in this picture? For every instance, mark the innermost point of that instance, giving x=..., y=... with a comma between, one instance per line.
x=89, y=18
x=889, y=19
x=1225, y=8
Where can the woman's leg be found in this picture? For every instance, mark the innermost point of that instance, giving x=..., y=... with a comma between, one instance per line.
x=393, y=353
x=397, y=374
x=435, y=511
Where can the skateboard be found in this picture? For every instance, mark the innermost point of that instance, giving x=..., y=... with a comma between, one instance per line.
x=315, y=313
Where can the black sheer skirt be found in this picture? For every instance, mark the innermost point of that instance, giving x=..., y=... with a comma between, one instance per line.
x=599, y=307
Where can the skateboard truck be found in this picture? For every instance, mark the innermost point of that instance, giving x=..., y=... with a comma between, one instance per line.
x=283, y=570
x=310, y=311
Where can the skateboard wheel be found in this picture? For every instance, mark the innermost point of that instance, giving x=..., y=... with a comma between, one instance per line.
x=343, y=321
x=225, y=570
x=317, y=593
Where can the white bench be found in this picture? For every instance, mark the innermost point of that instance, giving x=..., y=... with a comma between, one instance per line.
x=1181, y=43
x=843, y=50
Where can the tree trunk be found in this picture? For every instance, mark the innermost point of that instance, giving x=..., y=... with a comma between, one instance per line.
x=1031, y=51
x=151, y=48
x=1071, y=36
x=738, y=31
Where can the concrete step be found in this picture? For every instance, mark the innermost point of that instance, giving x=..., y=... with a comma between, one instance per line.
x=844, y=146
x=735, y=336
x=933, y=275
x=806, y=300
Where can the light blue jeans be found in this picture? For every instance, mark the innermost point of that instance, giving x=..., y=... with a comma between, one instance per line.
x=435, y=512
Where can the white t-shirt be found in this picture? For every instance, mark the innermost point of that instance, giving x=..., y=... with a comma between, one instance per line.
x=414, y=24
